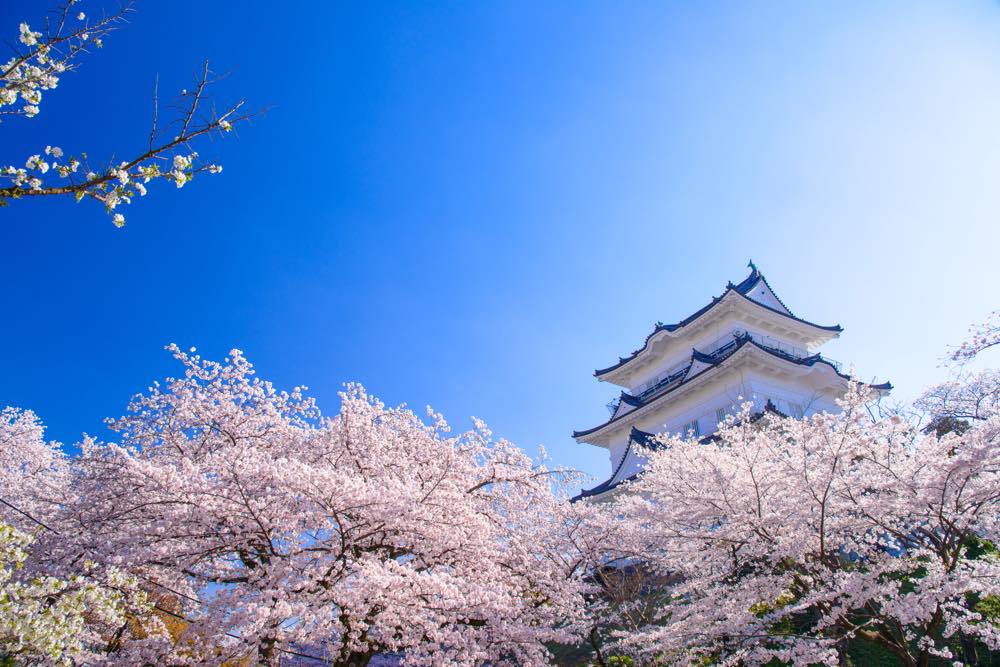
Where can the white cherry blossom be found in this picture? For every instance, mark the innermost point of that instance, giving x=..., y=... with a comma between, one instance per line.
x=36, y=67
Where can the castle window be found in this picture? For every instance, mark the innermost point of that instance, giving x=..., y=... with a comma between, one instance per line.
x=692, y=428
x=720, y=415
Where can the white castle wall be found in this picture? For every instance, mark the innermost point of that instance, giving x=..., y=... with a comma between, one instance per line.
x=790, y=395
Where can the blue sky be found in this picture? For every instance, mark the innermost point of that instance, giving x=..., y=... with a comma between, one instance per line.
x=473, y=205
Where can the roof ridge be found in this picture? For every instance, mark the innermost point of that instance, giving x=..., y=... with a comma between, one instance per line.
x=744, y=286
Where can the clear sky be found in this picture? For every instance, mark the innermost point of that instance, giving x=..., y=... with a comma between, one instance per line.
x=474, y=205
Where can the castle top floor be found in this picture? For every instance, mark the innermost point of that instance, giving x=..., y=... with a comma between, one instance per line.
x=749, y=307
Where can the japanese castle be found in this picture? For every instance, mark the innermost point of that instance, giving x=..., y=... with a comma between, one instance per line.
x=745, y=345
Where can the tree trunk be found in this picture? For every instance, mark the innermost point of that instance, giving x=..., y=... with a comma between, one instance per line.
x=970, y=655
x=842, y=658
x=356, y=659
x=597, y=647
x=268, y=654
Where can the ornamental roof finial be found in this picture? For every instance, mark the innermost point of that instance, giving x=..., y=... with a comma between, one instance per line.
x=751, y=265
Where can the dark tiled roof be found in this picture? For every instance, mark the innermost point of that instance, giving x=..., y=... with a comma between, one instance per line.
x=636, y=436
x=643, y=438
x=713, y=360
x=647, y=440
x=751, y=281
x=606, y=485
x=742, y=288
x=629, y=399
x=702, y=357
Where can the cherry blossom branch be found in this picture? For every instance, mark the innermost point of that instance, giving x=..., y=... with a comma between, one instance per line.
x=981, y=337
x=40, y=58
x=37, y=68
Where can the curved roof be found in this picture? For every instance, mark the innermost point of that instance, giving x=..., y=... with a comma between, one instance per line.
x=625, y=401
x=712, y=360
x=743, y=288
x=629, y=399
x=636, y=436
x=648, y=440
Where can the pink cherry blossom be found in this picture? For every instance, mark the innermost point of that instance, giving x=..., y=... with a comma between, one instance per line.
x=369, y=532
x=836, y=526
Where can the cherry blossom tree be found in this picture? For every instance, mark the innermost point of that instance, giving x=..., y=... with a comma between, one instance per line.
x=791, y=537
x=46, y=620
x=33, y=472
x=40, y=59
x=981, y=337
x=968, y=397
x=366, y=533
x=58, y=611
x=55, y=621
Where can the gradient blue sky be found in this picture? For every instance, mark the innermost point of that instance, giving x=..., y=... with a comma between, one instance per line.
x=474, y=205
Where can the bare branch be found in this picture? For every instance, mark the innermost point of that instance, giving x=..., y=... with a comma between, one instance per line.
x=156, y=102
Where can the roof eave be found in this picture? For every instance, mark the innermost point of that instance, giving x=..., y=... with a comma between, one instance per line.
x=815, y=362
x=616, y=372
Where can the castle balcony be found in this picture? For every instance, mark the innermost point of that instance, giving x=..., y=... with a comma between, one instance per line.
x=783, y=349
x=778, y=347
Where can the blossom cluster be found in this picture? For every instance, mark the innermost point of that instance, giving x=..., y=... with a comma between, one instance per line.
x=837, y=525
x=981, y=337
x=113, y=187
x=55, y=621
x=372, y=531
x=273, y=529
x=39, y=60
x=43, y=58
x=24, y=79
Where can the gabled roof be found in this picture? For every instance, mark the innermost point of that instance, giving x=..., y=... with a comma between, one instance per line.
x=743, y=289
x=705, y=362
x=626, y=401
x=641, y=438
x=644, y=438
